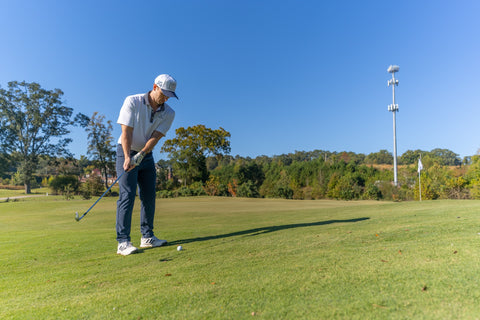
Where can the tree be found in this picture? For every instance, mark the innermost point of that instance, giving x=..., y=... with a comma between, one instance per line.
x=190, y=148
x=473, y=176
x=6, y=166
x=34, y=122
x=66, y=166
x=411, y=157
x=249, y=172
x=64, y=184
x=100, y=144
x=447, y=157
x=434, y=181
x=92, y=187
x=381, y=157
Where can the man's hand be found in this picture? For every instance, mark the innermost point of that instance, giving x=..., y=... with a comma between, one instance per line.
x=127, y=166
x=137, y=159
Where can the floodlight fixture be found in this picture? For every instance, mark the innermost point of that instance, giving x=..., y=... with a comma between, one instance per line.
x=394, y=108
x=393, y=68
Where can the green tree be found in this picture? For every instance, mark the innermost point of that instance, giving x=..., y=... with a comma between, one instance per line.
x=64, y=184
x=33, y=122
x=101, y=144
x=83, y=163
x=381, y=157
x=274, y=175
x=434, y=182
x=6, y=166
x=248, y=190
x=446, y=157
x=473, y=177
x=92, y=187
x=190, y=148
x=411, y=157
x=249, y=172
x=467, y=160
x=372, y=192
x=66, y=166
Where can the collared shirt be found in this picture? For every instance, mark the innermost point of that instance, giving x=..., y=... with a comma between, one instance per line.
x=137, y=113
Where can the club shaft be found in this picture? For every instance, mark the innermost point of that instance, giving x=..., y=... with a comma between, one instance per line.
x=93, y=205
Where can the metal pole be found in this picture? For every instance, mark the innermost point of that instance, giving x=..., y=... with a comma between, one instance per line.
x=395, y=180
x=394, y=108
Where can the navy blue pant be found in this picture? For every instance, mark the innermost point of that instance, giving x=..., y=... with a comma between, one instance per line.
x=144, y=176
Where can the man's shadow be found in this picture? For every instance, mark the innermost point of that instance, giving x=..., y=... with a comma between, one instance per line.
x=263, y=230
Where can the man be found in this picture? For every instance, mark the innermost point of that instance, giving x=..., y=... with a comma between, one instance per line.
x=145, y=119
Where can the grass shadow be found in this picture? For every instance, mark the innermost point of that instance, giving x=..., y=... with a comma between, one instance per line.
x=263, y=230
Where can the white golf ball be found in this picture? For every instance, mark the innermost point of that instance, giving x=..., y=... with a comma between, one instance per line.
x=179, y=248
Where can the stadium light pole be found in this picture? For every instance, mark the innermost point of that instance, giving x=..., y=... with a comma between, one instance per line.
x=394, y=108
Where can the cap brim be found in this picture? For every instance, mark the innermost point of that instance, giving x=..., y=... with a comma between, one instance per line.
x=169, y=94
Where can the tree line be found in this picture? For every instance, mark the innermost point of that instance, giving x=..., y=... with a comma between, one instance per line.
x=34, y=124
x=322, y=174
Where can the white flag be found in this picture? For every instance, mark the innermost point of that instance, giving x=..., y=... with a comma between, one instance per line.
x=420, y=165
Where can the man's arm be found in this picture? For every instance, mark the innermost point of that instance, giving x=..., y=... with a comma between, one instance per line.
x=126, y=139
x=155, y=137
x=152, y=142
x=127, y=133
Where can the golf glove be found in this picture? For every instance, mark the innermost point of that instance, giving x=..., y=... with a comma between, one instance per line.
x=137, y=159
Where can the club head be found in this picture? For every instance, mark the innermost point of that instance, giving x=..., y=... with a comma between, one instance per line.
x=77, y=217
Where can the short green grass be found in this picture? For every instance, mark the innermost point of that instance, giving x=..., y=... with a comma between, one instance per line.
x=243, y=259
x=5, y=193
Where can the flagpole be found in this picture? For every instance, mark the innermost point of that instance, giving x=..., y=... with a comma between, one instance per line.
x=420, y=167
x=420, y=185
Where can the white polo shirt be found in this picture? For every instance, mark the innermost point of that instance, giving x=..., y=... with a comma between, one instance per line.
x=136, y=112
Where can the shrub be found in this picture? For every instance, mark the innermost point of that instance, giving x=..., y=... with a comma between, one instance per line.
x=318, y=192
x=282, y=192
x=298, y=193
x=183, y=192
x=213, y=187
x=405, y=193
x=456, y=188
x=248, y=190
x=387, y=189
x=67, y=192
x=197, y=189
x=60, y=184
x=165, y=194
x=92, y=187
x=372, y=192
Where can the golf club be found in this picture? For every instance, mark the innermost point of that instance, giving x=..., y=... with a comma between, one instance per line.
x=78, y=218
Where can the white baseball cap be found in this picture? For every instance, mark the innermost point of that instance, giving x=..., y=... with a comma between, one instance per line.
x=167, y=84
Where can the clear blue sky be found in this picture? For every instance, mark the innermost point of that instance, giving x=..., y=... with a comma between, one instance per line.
x=278, y=75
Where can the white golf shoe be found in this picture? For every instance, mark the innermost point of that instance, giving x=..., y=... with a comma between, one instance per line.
x=152, y=242
x=126, y=248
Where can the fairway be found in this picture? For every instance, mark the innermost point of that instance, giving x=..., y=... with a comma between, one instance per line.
x=243, y=259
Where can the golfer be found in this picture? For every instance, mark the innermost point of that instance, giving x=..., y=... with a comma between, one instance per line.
x=145, y=119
